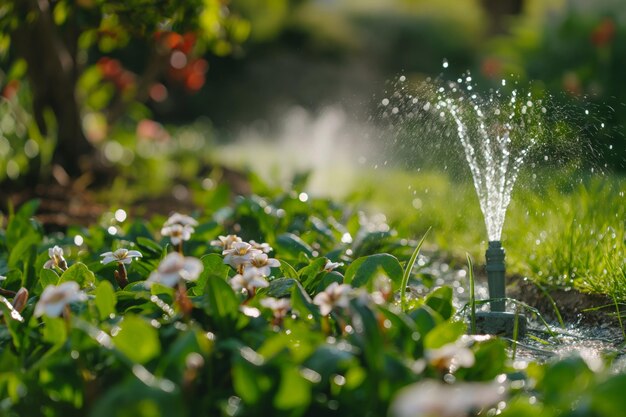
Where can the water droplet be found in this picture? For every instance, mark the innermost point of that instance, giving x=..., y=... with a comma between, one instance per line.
x=586, y=111
x=304, y=197
x=78, y=240
x=385, y=101
x=120, y=215
x=445, y=63
x=402, y=78
x=503, y=82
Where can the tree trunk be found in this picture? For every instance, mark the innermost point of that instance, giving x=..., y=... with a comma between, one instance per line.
x=53, y=74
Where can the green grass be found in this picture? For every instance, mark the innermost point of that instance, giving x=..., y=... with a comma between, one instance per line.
x=557, y=234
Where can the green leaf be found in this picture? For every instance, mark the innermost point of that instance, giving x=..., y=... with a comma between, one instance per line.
x=440, y=301
x=302, y=303
x=287, y=270
x=279, y=288
x=364, y=271
x=310, y=275
x=294, y=390
x=425, y=319
x=245, y=382
x=223, y=303
x=444, y=333
x=608, y=397
x=215, y=267
x=137, y=339
x=105, y=299
x=25, y=251
x=54, y=330
x=148, y=247
x=292, y=246
x=46, y=277
x=79, y=273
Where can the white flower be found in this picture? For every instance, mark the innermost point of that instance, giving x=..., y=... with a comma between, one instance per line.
x=177, y=233
x=263, y=264
x=330, y=265
x=56, y=258
x=175, y=267
x=54, y=298
x=436, y=399
x=226, y=242
x=248, y=281
x=181, y=219
x=240, y=254
x=450, y=357
x=123, y=256
x=279, y=306
x=263, y=247
x=335, y=295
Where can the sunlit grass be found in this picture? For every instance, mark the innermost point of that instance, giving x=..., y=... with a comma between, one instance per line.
x=566, y=237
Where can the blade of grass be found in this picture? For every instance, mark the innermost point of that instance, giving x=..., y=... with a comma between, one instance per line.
x=472, y=299
x=408, y=269
x=619, y=316
x=515, y=332
x=553, y=303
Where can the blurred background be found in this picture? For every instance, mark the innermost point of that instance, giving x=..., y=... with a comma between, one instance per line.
x=117, y=89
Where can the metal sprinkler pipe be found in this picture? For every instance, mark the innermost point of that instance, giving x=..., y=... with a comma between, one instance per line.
x=495, y=275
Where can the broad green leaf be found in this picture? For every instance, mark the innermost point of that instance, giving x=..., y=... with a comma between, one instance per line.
x=287, y=270
x=491, y=358
x=444, y=333
x=223, y=303
x=24, y=251
x=279, y=288
x=440, y=301
x=105, y=299
x=137, y=339
x=302, y=303
x=369, y=337
x=54, y=330
x=148, y=247
x=292, y=246
x=79, y=273
x=46, y=277
x=608, y=398
x=364, y=271
x=294, y=390
x=425, y=319
x=215, y=267
x=310, y=275
x=245, y=382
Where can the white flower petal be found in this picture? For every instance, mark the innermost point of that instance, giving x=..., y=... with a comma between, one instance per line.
x=108, y=259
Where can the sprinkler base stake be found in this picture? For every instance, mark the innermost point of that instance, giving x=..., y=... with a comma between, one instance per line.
x=500, y=323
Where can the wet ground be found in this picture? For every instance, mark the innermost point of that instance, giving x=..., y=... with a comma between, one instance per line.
x=593, y=335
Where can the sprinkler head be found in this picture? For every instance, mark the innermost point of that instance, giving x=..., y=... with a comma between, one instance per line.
x=498, y=321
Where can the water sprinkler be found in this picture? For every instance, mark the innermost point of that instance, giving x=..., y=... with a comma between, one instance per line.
x=498, y=321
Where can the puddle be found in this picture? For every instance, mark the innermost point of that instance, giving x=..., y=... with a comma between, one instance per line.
x=541, y=343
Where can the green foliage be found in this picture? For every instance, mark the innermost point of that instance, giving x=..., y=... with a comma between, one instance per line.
x=204, y=348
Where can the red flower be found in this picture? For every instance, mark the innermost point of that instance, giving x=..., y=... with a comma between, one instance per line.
x=604, y=33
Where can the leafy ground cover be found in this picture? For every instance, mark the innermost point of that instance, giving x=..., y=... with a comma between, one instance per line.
x=302, y=314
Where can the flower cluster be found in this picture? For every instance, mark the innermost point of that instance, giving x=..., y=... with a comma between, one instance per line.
x=251, y=261
x=179, y=228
